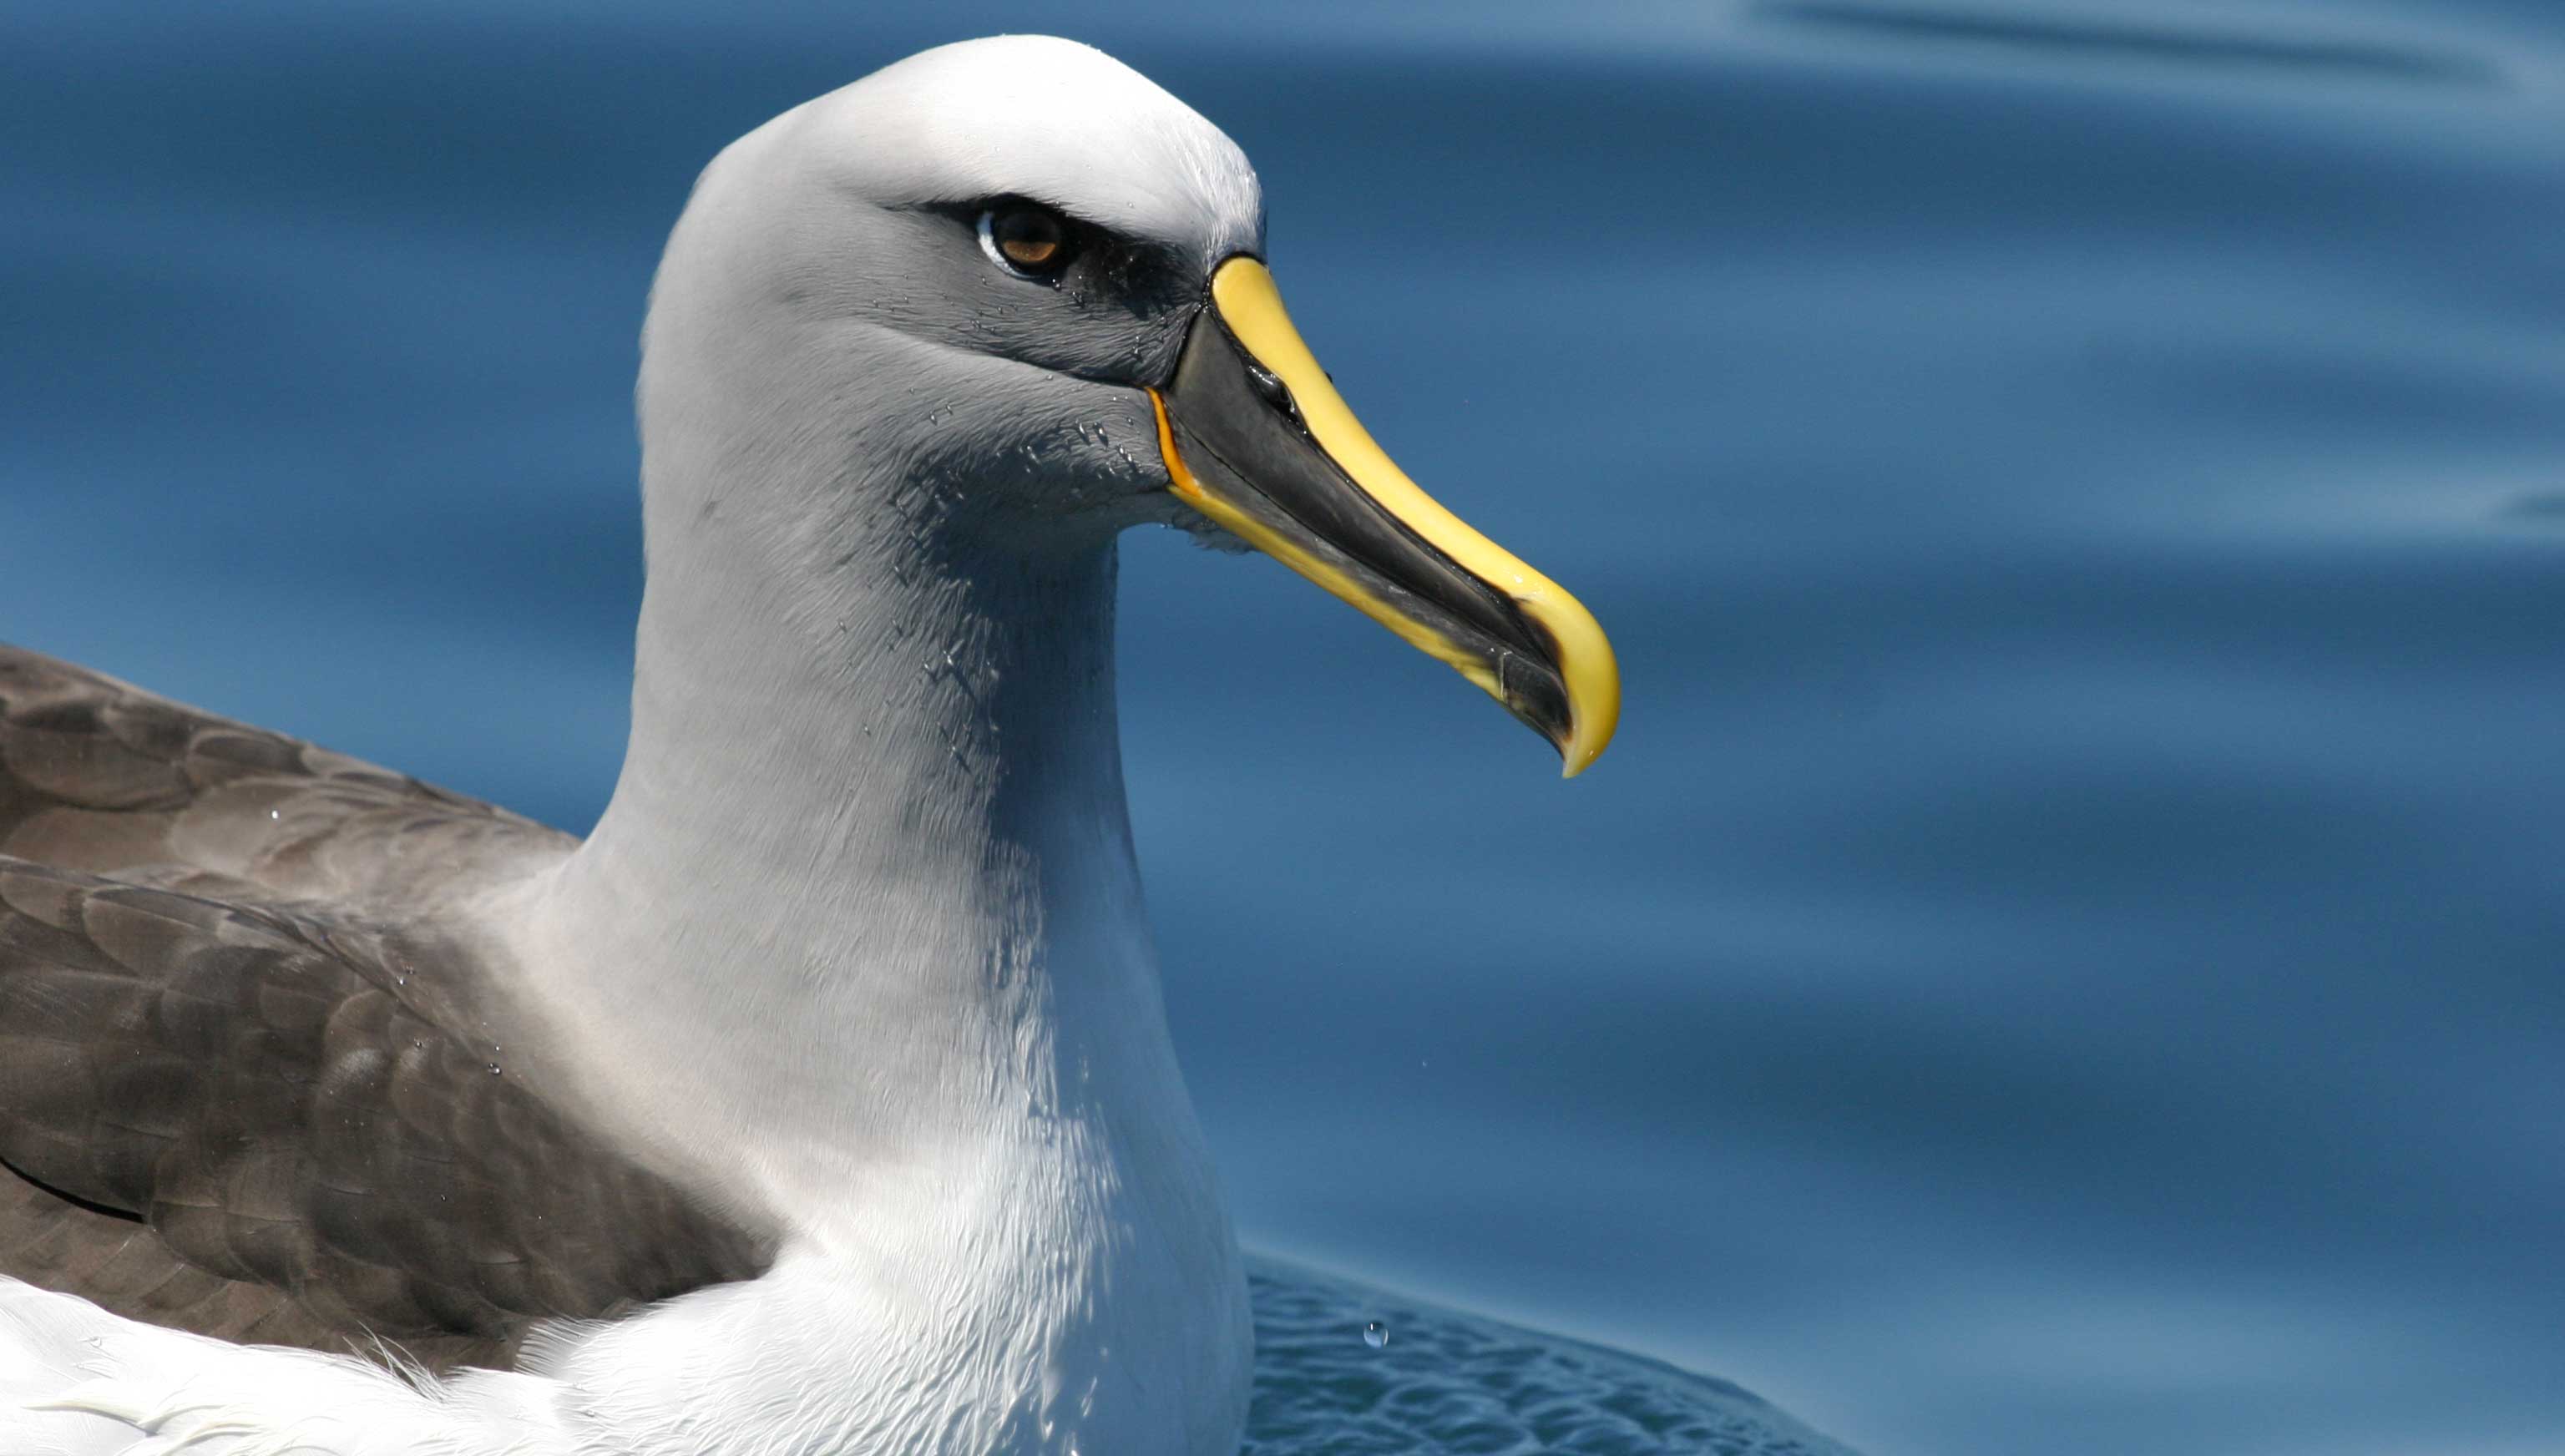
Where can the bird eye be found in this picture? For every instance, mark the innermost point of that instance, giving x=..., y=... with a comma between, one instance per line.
x=1027, y=240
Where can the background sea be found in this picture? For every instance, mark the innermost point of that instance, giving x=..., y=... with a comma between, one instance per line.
x=2065, y=956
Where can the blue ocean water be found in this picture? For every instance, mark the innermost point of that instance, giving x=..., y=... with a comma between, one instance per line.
x=2065, y=954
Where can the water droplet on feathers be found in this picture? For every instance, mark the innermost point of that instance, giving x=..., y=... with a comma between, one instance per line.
x=1376, y=1334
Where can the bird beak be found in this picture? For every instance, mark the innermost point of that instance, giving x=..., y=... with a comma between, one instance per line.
x=1256, y=438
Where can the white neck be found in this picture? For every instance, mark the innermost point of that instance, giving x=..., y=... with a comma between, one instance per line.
x=858, y=947
x=868, y=876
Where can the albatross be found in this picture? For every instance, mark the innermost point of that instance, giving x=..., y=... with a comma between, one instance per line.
x=820, y=1099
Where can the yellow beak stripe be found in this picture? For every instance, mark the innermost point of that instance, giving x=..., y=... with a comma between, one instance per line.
x=1242, y=290
x=1313, y=566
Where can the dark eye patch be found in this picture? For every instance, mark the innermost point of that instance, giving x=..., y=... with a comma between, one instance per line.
x=1096, y=266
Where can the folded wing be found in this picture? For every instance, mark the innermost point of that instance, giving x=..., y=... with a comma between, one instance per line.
x=246, y=1088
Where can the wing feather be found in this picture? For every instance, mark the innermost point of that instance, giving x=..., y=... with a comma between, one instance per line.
x=244, y=1085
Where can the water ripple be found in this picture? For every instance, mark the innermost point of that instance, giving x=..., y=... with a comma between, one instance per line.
x=2132, y=40
x=1453, y=1383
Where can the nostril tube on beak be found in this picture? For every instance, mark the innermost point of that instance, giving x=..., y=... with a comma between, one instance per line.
x=1270, y=388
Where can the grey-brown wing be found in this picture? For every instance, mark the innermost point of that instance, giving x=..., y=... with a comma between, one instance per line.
x=237, y=1121
x=234, y=1098
x=102, y=776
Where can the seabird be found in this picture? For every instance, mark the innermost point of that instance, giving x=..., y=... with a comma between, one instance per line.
x=821, y=1099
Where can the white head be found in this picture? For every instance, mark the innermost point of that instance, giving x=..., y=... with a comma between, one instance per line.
x=1002, y=300
x=829, y=318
